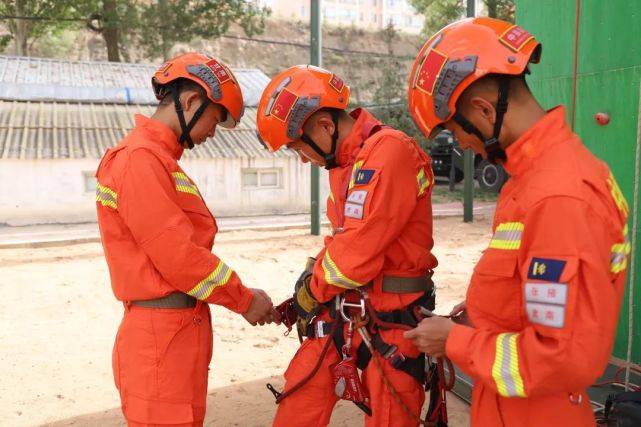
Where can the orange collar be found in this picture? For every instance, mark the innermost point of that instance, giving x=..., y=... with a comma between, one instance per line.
x=552, y=129
x=349, y=147
x=161, y=134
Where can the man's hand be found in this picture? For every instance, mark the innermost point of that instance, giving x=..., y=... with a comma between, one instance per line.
x=459, y=314
x=261, y=309
x=430, y=335
x=458, y=309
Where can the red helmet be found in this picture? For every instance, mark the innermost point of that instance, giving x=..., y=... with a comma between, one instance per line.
x=456, y=57
x=211, y=74
x=292, y=97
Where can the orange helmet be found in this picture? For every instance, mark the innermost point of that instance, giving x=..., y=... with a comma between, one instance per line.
x=457, y=56
x=291, y=98
x=212, y=75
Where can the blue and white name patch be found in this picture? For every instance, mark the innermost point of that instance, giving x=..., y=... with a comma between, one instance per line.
x=546, y=269
x=363, y=176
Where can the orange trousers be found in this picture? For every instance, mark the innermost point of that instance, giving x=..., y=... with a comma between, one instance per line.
x=560, y=409
x=312, y=405
x=160, y=363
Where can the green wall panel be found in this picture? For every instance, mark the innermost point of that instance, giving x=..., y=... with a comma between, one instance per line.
x=609, y=78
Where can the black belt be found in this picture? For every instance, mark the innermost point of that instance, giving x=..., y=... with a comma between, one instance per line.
x=173, y=300
x=408, y=285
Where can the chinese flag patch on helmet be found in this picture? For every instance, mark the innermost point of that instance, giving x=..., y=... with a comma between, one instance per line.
x=283, y=105
x=515, y=38
x=220, y=72
x=430, y=69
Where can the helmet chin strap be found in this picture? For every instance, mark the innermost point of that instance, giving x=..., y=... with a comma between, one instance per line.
x=330, y=158
x=491, y=145
x=184, y=126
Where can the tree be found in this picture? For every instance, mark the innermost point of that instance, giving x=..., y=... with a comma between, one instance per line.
x=501, y=9
x=117, y=22
x=165, y=22
x=45, y=16
x=390, y=94
x=439, y=13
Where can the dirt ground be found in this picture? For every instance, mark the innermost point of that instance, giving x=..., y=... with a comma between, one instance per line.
x=59, y=319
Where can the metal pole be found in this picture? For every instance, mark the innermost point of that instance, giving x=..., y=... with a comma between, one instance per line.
x=468, y=162
x=315, y=59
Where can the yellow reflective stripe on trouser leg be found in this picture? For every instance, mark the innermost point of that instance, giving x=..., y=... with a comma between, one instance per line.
x=106, y=196
x=219, y=277
x=333, y=275
x=505, y=369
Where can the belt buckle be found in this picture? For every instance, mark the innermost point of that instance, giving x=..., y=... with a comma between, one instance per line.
x=319, y=329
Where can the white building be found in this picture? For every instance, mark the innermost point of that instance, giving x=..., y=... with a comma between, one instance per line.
x=57, y=118
x=373, y=14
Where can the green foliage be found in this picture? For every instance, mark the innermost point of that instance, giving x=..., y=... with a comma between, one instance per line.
x=25, y=32
x=165, y=22
x=438, y=13
x=501, y=9
x=390, y=93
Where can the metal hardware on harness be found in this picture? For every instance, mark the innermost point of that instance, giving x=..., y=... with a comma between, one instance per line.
x=360, y=305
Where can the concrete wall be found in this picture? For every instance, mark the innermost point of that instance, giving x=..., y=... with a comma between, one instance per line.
x=53, y=191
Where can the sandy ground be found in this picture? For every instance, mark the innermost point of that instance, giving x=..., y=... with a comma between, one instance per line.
x=59, y=319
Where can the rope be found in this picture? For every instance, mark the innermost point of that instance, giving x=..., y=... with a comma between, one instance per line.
x=392, y=390
x=635, y=218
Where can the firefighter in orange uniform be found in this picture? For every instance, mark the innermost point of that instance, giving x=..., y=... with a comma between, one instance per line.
x=544, y=298
x=157, y=234
x=380, y=211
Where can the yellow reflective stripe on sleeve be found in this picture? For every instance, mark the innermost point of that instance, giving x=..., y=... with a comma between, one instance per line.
x=507, y=236
x=106, y=196
x=357, y=166
x=505, y=369
x=422, y=181
x=184, y=184
x=331, y=196
x=617, y=195
x=620, y=252
x=333, y=275
x=219, y=277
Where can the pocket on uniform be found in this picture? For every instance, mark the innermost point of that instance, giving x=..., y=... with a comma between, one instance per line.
x=495, y=288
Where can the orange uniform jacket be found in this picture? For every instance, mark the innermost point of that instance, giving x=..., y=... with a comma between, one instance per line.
x=156, y=230
x=544, y=298
x=380, y=208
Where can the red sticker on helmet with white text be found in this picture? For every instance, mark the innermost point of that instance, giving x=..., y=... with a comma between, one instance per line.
x=220, y=71
x=336, y=83
x=515, y=38
x=283, y=105
x=430, y=69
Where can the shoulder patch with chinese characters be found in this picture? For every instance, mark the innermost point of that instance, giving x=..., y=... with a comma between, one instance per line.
x=363, y=176
x=546, y=269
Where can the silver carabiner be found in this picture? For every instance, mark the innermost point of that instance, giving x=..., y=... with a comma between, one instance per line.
x=344, y=304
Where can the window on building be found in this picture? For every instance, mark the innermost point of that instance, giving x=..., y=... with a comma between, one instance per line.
x=374, y=2
x=261, y=178
x=303, y=11
x=90, y=182
x=374, y=17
